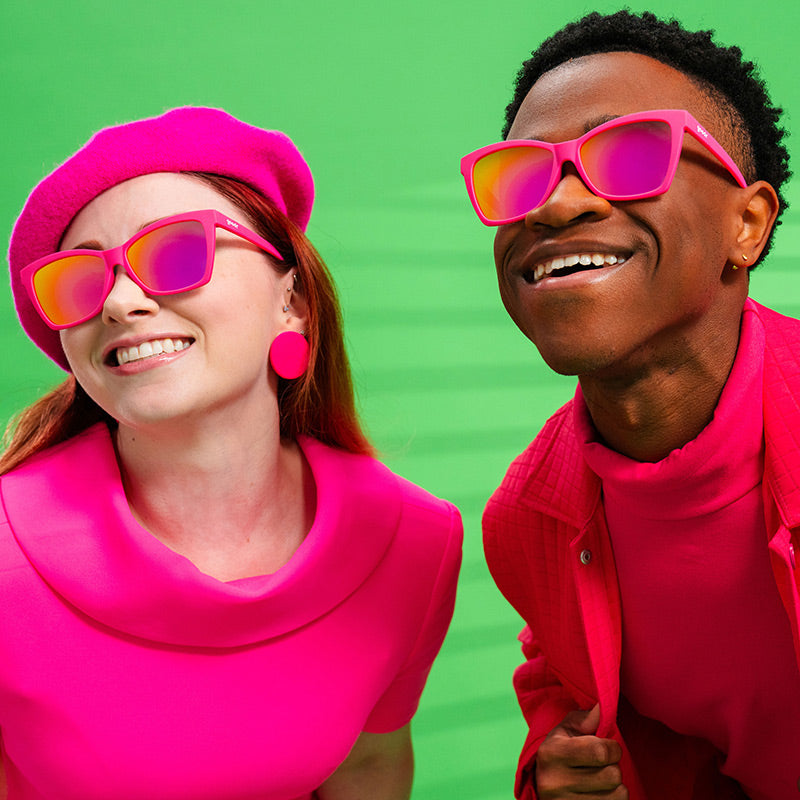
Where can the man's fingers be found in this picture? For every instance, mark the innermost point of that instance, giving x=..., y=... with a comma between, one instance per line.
x=580, y=751
x=573, y=765
x=562, y=781
x=591, y=722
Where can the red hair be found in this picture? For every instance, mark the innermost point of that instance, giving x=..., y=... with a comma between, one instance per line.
x=320, y=403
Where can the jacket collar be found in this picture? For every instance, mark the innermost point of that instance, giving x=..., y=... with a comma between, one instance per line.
x=782, y=411
x=560, y=484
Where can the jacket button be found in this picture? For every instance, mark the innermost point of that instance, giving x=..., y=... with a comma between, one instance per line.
x=586, y=556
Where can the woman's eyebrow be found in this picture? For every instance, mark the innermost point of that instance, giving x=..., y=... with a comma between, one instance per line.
x=93, y=244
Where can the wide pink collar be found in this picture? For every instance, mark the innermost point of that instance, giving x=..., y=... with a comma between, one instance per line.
x=68, y=511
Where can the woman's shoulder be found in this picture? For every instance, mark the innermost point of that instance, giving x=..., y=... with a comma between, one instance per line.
x=367, y=482
x=435, y=516
x=369, y=474
x=94, y=442
x=34, y=492
x=31, y=493
x=10, y=556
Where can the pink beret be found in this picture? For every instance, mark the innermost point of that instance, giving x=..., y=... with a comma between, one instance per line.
x=182, y=140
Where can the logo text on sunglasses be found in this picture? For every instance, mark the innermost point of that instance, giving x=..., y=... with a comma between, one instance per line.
x=700, y=130
x=232, y=223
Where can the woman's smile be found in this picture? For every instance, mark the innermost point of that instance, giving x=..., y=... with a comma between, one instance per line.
x=224, y=327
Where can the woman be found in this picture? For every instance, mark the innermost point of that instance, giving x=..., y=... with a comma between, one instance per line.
x=211, y=589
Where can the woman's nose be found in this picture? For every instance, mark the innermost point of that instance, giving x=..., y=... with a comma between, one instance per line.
x=126, y=300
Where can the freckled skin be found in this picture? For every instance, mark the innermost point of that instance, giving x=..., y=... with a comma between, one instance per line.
x=231, y=321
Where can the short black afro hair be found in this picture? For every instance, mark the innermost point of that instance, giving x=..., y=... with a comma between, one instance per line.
x=729, y=81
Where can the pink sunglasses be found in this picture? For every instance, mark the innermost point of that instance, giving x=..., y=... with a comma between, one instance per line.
x=628, y=158
x=173, y=255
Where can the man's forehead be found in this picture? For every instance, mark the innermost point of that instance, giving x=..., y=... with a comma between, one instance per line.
x=583, y=92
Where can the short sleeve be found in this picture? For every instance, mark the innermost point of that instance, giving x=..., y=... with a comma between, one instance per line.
x=399, y=702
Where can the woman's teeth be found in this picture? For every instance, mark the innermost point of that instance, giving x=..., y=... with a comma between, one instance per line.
x=155, y=347
x=584, y=260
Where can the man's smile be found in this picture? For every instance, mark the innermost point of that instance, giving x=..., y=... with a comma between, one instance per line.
x=569, y=264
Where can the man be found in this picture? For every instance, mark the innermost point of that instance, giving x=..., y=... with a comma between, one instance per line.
x=647, y=535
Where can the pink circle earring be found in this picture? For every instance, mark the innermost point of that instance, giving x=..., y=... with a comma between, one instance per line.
x=288, y=354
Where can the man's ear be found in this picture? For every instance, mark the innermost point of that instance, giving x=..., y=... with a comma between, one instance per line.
x=757, y=214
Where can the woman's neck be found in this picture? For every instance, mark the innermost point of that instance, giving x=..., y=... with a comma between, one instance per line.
x=234, y=501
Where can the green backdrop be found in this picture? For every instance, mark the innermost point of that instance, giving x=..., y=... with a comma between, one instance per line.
x=383, y=99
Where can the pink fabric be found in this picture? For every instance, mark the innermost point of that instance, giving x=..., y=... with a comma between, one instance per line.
x=183, y=139
x=125, y=672
x=549, y=551
x=696, y=584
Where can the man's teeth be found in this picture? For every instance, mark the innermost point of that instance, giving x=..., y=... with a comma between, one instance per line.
x=584, y=259
x=155, y=347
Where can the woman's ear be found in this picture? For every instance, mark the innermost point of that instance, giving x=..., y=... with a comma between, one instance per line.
x=757, y=214
x=295, y=306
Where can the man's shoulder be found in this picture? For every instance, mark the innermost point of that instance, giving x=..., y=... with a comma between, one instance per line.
x=775, y=324
x=556, y=434
x=781, y=349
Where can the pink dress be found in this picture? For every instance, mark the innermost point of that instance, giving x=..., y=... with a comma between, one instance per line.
x=125, y=672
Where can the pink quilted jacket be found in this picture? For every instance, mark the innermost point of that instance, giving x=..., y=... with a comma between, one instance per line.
x=549, y=552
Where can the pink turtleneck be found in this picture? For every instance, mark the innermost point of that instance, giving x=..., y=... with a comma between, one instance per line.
x=707, y=647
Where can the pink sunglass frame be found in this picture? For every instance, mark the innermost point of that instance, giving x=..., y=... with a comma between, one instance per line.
x=679, y=121
x=118, y=256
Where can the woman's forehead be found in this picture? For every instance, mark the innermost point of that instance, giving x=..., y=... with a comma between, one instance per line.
x=119, y=212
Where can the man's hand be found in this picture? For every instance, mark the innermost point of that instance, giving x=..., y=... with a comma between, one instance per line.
x=573, y=762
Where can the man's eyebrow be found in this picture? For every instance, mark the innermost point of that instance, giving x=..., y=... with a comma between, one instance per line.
x=588, y=126
x=599, y=120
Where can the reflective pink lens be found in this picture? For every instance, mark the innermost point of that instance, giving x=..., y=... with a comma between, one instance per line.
x=628, y=161
x=168, y=259
x=171, y=258
x=623, y=162
x=70, y=288
x=511, y=182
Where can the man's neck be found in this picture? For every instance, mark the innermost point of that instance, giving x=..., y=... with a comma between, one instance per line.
x=648, y=413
